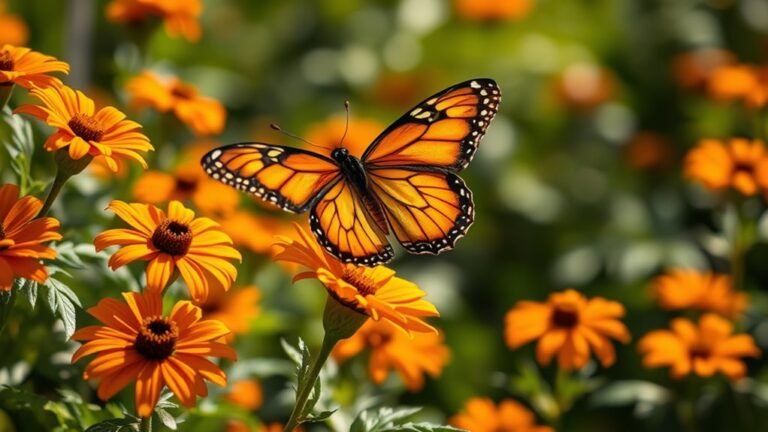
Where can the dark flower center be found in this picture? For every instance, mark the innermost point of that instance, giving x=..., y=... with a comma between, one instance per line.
x=6, y=62
x=742, y=167
x=183, y=91
x=86, y=127
x=357, y=278
x=699, y=352
x=172, y=238
x=157, y=338
x=565, y=316
x=186, y=185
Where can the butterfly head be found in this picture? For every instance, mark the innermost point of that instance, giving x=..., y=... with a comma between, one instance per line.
x=340, y=154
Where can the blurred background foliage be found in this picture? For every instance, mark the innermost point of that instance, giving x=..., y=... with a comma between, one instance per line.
x=577, y=184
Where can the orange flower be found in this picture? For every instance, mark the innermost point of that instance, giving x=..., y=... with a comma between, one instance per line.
x=254, y=232
x=568, y=325
x=236, y=308
x=85, y=131
x=374, y=292
x=180, y=16
x=740, y=82
x=482, y=415
x=585, y=86
x=22, y=237
x=205, y=116
x=194, y=246
x=705, y=350
x=489, y=10
x=693, y=69
x=15, y=31
x=392, y=348
x=187, y=182
x=691, y=289
x=649, y=150
x=719, y=166
x=328, y=134
x=246, y=394
x=137, y=343
x=28, y=68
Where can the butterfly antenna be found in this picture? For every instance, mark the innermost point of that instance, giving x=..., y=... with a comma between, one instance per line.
x=294, y=136
x=346, y=123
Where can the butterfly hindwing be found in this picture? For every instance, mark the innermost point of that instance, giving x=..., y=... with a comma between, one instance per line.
x=345, y=228
x=288, y=177
x=428, y=211
x=441, y=132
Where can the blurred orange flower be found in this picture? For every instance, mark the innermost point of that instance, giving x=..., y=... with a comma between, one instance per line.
x=236, y=308
x=15, y=31
x=28, y=68
x=187, y=182
x=691, y=289
x=570, y=326
x=246, y=394
x=649, y=150
x=180, y=16
x=22, y=237
x=585, y=86
x=256, y=232
x=692, y=69
x=740, y=82
x=392, y=348
x=704, y=349
x=719, y=165
x=195, y=247
x=482, y=415
x=83, y=130
x=374, y=292
x=489, y=10
x=137, y=343
x=204, y=115
x=328, y=134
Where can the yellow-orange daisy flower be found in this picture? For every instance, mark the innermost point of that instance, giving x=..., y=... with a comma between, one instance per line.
x=704, y=349
x=236, y=308
x=491, y=10
x=15, y=30
x=83, y=130
x=246, y=394
x=178, y=240
x=27, y=68
x=179, y=16
x=22, y=237
x=375, y=292
x=743, y=82
x=719, y=165
x=392, y=348
x=483, y=415
x=701, y=290
x=137, y=343
x=569, y=326
x=204, y=115
x=187, y=182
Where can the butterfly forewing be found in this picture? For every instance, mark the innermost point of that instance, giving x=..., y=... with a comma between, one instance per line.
x=440, y=133
x=288, y=177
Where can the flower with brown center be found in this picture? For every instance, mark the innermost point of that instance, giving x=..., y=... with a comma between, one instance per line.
x=483, y=415
x=28, y=68
x=704, y=349
x=22, y=238
x=374, y=292
x=180, y=16
x=83, y=130
x=691, y=289
x=205, y=116
x=391, y=348
x=569, y=326
x=719, y=166
x=178, y=240
x=137, y=343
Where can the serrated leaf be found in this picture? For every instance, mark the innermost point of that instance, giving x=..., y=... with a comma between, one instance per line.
x=30, y=289
x=384, y=417
x=293, y=353
x=116, y=425
x=166, y=418
x=62, y=301
x=66, y=253
x=20, y=147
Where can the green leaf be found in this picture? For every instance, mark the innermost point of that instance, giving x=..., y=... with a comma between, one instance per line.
x=30, y=289
x=422, y=427
x=63, y=302
x=319, y=417
x=166, y=418
x=66, y=253
x=21, y=147
x=381, y=419
x=126, y=424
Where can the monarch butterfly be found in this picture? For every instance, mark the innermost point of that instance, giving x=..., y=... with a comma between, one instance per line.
x=404, y=183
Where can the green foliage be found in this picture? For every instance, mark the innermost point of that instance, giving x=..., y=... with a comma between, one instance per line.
x=388, y=419
x=21, y=148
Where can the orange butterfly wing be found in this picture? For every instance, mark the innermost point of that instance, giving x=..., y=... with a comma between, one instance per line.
x=288, y=177
x=442, y=132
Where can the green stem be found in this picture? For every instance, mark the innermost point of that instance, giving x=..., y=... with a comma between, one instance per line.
x=58, y=183
x=305, y=388
x=146, y=424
